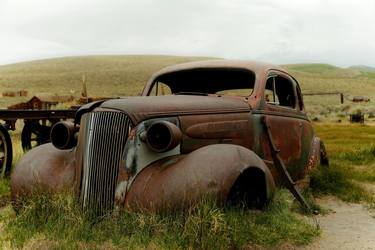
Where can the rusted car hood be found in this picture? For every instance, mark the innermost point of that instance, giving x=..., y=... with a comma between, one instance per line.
x=143, y=107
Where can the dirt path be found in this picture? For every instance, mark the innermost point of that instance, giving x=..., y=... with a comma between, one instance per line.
x=346, y=226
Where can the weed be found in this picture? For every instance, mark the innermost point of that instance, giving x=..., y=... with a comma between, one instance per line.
x=334, y=180
x=204, y=226
x=352, y=156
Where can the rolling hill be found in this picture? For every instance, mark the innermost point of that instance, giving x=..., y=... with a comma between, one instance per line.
x=363, y=68
x=106, y=75
x=125, y=75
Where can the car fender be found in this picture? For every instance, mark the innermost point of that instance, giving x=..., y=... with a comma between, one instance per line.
x=45, y=169
x=179, y=181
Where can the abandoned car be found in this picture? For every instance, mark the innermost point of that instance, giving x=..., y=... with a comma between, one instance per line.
x=231, y=129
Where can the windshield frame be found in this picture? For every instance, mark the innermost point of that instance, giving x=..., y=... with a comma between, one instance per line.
x=243, y=78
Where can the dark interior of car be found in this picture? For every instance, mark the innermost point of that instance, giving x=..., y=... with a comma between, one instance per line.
x=208, y=80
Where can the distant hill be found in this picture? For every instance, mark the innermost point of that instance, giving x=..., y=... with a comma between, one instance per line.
x=363, y=68
x=124, y=75
x=105, y=75
x=312, y=67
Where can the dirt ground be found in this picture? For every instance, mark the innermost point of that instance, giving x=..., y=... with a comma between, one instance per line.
x=345, y=226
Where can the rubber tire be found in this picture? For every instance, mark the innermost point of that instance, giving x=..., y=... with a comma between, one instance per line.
x=7, y=164
x=323, y=155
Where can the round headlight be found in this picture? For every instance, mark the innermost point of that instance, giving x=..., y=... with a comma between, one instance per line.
x=163, y=136
x=63, y=135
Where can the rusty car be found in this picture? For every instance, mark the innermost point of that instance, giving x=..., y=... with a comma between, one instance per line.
x=232, y=129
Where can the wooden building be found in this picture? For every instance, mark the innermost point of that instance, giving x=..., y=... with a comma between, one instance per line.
x=42, y=102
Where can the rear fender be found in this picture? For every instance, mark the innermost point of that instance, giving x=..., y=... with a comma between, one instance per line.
x=178, y=181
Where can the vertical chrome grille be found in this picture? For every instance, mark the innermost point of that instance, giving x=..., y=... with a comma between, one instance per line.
x=104, y=135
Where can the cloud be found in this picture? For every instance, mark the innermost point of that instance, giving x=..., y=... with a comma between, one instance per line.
x=289, y=31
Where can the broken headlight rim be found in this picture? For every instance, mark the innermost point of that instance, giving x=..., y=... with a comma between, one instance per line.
x=163, y=136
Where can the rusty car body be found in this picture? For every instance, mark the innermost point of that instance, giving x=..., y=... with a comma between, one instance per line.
x=231, y=129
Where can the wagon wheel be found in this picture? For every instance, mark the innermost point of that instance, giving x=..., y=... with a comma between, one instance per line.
x=34, y=134
x=6, y=153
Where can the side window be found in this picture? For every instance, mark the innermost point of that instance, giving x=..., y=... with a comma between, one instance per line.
x=269, y=93
x=160, y=88
x=280, y=91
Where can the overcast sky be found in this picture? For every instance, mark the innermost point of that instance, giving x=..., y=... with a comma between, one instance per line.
x=339, y=32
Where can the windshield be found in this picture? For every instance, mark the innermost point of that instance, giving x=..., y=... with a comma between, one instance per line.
x=205, y=81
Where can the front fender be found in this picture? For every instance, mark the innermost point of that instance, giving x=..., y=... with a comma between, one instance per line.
x=44, y=169
x=179, y=181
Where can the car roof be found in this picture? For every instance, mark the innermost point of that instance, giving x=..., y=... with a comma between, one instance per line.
x=254, y=66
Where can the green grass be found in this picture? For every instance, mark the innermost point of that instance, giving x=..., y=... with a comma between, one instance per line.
x=337, y=181
x=351, y=151
x=57, y=221
x=317, y=68
x=4, y=187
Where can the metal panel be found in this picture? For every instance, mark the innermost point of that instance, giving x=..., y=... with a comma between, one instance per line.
x=104, y=135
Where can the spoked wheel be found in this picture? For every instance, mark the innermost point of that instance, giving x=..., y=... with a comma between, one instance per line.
x=6, y=153
x=34, y=134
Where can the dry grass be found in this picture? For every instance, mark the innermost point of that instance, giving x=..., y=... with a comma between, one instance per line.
x=57, y=222
x=105, y=75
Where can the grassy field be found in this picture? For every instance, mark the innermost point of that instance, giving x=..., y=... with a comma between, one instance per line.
x=56, y=222
x=351, y=150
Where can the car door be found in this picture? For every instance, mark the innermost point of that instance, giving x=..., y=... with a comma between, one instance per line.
x=283, y=110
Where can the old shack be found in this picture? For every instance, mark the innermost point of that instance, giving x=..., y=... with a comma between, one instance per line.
x=42, y=102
